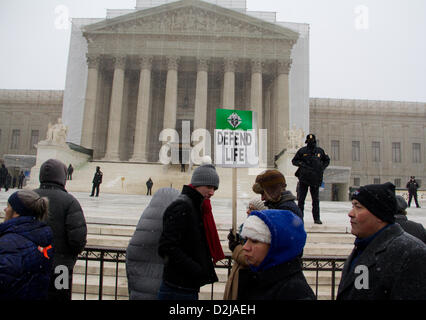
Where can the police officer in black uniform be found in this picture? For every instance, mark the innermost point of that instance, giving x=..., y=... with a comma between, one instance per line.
x=312, y=161
x=97, y=180
x=412, y=187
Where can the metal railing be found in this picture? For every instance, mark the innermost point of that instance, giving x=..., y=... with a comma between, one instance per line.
x=102, y=255
x=118, y=256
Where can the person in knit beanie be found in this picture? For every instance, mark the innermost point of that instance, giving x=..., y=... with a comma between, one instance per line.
x=271, y=185
x=414, y=228
x=386, y=262
x=205, y=175
x=275, y=241
x=235, y=244
x=189, y=242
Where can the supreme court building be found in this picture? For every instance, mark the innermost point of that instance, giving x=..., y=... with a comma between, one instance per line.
x=140, y=71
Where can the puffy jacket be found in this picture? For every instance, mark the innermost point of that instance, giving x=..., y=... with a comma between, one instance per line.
x=312, y=163
x=24, y=269
x=279, y=276
x=183, y=243
x=144, y=267
x=67, y=221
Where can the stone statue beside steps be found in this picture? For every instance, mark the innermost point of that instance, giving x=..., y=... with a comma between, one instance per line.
x=56, y=134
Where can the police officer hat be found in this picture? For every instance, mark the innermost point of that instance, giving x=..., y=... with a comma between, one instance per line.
x=310, y=137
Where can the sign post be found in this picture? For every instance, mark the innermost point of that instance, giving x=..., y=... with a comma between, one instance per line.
x=235, y=146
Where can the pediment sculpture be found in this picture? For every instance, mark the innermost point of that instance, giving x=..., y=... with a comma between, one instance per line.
x=189, y=20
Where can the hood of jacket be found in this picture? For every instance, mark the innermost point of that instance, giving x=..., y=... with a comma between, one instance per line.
x=53, y=171
x=288, y=237
x=285, y=196
x=30, y=228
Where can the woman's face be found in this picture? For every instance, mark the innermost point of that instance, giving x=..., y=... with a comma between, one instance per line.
x=10, y=213
x=255, y=251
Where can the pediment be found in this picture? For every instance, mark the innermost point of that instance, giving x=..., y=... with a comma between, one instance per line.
x=191, y=17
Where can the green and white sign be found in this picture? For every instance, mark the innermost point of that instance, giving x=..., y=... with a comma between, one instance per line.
x=235, y=139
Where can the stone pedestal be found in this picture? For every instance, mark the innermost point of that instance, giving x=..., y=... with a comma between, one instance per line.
x=62, y=152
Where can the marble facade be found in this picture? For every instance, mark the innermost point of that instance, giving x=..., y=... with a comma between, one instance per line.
x=151, y=69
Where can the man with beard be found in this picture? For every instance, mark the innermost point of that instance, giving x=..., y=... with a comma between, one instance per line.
x=312, y=161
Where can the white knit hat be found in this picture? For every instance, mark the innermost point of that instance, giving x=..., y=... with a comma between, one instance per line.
x=257, y=203
x=254, y=228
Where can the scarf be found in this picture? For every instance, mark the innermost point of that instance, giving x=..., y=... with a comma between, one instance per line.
x=211, y=232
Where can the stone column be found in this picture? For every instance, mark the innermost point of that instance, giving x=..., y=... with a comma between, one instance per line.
x=256, y=91
x=115, y=111
x=170, y=104
x=282, y=104
x=88, y=128
x=142, y=112
x=229, y=84
x=200, y=113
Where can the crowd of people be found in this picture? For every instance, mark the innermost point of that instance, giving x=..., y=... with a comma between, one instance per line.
x=176, y=245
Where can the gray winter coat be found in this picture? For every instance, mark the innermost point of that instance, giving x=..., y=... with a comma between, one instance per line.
x=144, y=267
x=396, y=269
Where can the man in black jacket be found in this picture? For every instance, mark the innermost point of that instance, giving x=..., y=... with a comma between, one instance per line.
x=97, y=180
x=183, y=243
x=312, y=161
x=386, y=263
x=3, y=176
x=412, y=187
x=68, y=224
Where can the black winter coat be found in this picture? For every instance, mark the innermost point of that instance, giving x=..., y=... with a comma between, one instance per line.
x=67, y=221
x=3, y=175
x=415, y=229
x=412, y=186
x=396, y=269
x=312, y=163
x=183, y=244
x=97, y=178
x=282, y=282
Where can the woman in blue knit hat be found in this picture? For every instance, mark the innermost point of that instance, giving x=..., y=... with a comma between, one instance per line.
x=25, y=248
x=275, y=240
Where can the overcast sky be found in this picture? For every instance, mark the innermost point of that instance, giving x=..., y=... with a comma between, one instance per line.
x=359, y=49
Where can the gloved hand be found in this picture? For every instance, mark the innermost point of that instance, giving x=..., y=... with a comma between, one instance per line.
x=233, y=240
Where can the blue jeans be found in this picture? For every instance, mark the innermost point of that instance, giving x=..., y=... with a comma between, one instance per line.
x=168, y=292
